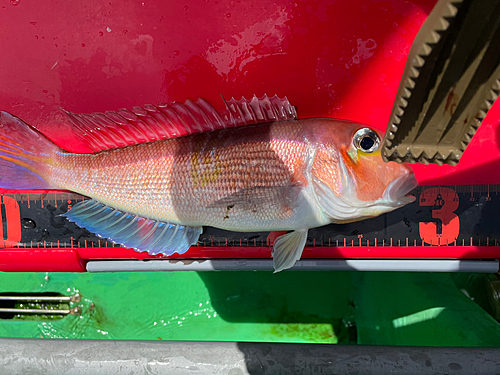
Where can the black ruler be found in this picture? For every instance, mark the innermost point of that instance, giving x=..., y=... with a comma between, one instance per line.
x=445, y=215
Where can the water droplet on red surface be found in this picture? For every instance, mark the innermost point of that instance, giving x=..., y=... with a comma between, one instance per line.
x=33, y=23
x=15, y=2
x=228, y=15
x=185, y=8
x=83, y=44
x=176, y=53
x=101, y=33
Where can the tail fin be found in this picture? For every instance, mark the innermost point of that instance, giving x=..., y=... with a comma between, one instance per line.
x=24, y=154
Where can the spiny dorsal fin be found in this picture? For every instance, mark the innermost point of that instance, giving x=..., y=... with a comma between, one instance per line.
x=112, y=129
x=260, y=110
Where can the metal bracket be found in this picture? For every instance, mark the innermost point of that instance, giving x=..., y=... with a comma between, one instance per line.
x=451, y=79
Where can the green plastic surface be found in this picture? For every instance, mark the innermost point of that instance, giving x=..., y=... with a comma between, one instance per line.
x=301, y=307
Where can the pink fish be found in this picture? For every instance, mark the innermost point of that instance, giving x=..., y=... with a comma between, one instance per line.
x=159, y=174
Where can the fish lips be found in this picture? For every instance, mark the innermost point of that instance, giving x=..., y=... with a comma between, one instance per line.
x=396, y=192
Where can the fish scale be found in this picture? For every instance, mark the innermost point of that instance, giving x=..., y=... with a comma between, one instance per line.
x=279, y=175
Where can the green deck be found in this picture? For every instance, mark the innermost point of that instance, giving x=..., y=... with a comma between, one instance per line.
x=305, y=307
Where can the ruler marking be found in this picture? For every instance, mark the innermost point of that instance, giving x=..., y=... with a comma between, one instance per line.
x=479, y=190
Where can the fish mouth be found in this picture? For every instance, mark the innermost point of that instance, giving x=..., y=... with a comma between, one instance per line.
x=396, y=192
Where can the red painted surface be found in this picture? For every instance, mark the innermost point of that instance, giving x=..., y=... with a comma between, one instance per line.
x=74, y=260
x=341, y=59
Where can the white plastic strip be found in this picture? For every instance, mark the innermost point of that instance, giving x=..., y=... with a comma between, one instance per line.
x=394, y=265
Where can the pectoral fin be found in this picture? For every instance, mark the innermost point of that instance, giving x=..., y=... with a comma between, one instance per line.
x=288, y=249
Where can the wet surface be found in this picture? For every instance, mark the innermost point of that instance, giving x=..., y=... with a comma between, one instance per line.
x=332, y=59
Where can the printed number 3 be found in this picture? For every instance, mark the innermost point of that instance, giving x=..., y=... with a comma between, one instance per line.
x=451, y=222
x=13, y=223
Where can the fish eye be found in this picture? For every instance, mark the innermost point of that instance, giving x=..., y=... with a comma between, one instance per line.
x=366, y=140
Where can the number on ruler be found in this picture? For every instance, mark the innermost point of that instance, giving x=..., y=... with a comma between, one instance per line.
x=448, y=200
x=12, y=223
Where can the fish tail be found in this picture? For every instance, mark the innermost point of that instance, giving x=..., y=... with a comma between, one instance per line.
x=24, y=155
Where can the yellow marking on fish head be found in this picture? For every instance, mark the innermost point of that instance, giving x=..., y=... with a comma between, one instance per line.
x=370, y=174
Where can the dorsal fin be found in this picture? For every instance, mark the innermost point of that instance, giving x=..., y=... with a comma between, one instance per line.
x=112, y=129
x=259, y=110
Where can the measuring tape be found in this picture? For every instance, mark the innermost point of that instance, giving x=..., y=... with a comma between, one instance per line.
x=444, y=222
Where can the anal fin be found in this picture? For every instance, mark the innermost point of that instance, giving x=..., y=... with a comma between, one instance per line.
x=139, y=233
x=288, y=249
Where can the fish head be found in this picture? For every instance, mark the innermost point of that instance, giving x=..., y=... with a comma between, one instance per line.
x=351, y=181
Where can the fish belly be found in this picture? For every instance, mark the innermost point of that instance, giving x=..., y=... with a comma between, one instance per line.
x=243, y=179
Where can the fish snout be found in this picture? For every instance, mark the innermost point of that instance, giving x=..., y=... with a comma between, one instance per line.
x=396, y=192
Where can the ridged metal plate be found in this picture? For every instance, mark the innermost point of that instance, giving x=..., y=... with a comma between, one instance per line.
x=451, y=79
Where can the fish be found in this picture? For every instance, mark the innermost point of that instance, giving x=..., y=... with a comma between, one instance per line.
x=158, y=174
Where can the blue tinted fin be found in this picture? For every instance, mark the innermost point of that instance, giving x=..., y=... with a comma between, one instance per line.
x=139, y=233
